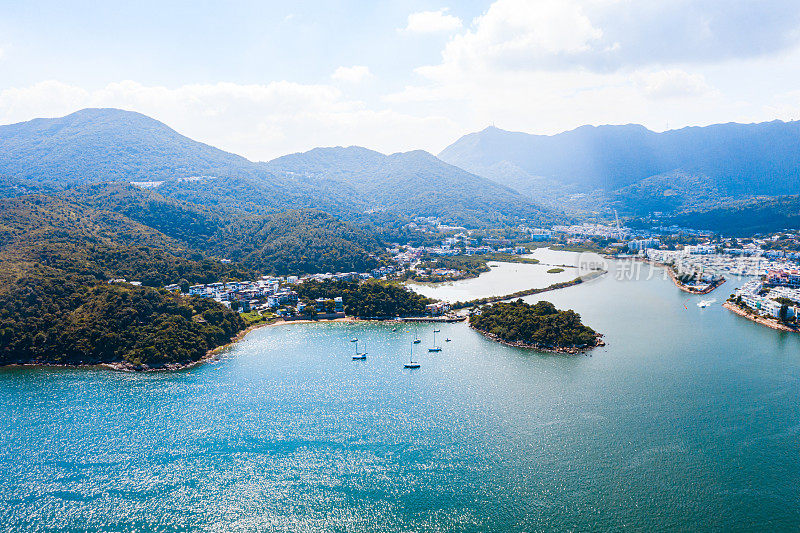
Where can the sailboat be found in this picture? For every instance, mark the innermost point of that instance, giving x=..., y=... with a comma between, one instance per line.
x=435, y=348
x=411, y=363
x=359, y=355
x=416, y=337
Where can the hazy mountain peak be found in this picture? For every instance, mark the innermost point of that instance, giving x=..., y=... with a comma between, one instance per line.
x=740, y=158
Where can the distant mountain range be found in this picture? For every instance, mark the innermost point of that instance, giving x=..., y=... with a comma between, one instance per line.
x=636, y=169
x=488, y=178
x=100, y=145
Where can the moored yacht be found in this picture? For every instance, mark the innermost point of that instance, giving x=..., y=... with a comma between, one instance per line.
x=435, y=348
x=411, y=363
x=359, y=355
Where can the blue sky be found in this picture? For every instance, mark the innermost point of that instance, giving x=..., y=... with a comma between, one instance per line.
x=267, y=78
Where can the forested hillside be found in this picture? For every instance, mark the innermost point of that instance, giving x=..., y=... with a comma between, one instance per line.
x=96, y=145
x=70, y=237
x=57, y=255
x=49, y=316
x=744, y=218
x=162, y=241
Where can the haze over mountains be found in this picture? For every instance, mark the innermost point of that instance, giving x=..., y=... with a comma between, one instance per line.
x=488, y=178
x=95, y=145
x=637, y=169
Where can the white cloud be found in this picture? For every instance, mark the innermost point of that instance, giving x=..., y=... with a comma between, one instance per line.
x=672, y=83
x=608, y=35
x=432, y=22
x=519, y=35
x=354, y=74
x=545, y=66
x=257, y=121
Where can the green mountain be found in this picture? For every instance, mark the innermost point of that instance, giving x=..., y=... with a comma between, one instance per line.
x=745, y=217
x=95, y=145
x=117, y=230
x=102, y=145
x=56, y=307
x=412, y=183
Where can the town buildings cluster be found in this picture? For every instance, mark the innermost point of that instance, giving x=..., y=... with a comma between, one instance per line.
x=763, y=297
x=748, y=260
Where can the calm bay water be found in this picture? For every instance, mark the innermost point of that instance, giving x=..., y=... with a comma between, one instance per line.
x=507, y=278
x=688, y=420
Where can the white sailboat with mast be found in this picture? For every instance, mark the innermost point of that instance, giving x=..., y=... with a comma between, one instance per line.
x=411, y=363
x=435, y=348
x=359, y=355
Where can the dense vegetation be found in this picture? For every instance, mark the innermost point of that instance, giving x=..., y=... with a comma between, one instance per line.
x=56, y=255
x=539, y=325
x=72, y=238
x=369, y=299
x=290, y=242
x=116, y=230
x=48, y=316
x=761, y=215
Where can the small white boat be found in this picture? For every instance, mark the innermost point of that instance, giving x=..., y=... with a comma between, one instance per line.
x=359, y=356
x=706, y=303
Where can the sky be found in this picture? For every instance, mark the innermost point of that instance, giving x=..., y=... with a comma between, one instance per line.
x=263, y=79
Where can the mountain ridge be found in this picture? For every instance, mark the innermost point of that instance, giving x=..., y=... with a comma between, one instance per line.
x=107, y=144
x=737, y=159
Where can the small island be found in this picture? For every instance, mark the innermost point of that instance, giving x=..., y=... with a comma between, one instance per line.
x=539, y=326
x=555, y=270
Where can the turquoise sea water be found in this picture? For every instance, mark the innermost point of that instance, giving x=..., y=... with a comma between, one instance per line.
x=688, y=420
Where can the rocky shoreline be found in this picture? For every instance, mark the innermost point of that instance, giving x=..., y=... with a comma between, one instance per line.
x=764, y=321
x=570, y=350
